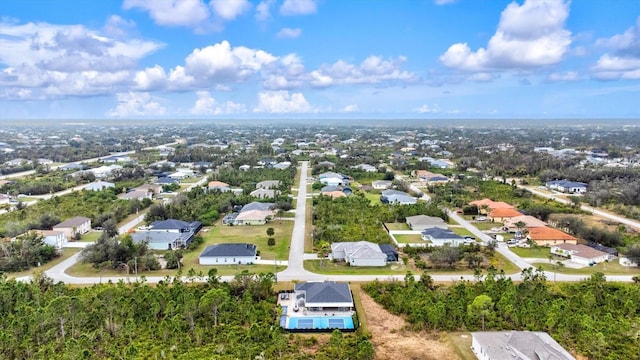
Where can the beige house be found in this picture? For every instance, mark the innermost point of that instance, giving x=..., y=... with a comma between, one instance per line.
x=73, y=226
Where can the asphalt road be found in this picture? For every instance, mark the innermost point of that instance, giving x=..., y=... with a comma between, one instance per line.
x=296, y=271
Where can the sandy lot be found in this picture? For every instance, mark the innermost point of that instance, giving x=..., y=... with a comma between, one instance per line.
x=391, y=341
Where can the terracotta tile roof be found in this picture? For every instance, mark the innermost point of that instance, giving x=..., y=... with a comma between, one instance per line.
x=218, y=184
x=547, y=233
x=504, y=212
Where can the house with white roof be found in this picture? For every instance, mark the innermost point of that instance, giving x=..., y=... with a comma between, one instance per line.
x=361, y=253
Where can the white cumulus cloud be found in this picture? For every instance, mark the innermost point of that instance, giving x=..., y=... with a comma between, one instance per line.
x=278, y=102
x=187, y=13
x=623, y=61
x=263, y=10
x=529, y=35
x=298, y=7
x=136, y=104
x=426, y=109
x=352, y=108
x=289, y=33
x=207, y=105
x=230, y=9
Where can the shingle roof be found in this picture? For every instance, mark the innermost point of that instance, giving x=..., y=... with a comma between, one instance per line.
x=437, y=233
x=526, y=345
x=325, y=292
x=76, y=221
x=582, y=251
x=257, y=206
x=424, y=220
x=171, y=224
x=241, y=249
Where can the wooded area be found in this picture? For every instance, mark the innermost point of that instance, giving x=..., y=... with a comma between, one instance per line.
x=595, y=318
x=173, y=320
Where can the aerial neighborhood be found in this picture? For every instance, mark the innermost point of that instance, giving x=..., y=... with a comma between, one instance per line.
x=318, y=208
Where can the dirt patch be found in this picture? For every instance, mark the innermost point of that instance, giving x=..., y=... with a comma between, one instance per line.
x=391, y=340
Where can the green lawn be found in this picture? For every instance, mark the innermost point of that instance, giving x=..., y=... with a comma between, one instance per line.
x=409, y=238
x=534, y=252
x=91, y=236
x=486, y=225
x=253, y=234
x=461, y=231
x=611, y=268
x=66, y=253
x=461, y=344
x=341, y=268
x=374, y=198
x=397, y=226
x=502, y=263
x=86, y=270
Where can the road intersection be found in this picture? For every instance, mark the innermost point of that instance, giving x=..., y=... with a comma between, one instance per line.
x=295, y=269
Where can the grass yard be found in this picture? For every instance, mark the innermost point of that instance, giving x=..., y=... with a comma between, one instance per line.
x=341, y=268
x=486, y=225
x=87, y=270
x=409, y=238
x=66, y=253
x=611, y=268
x=91, y=236
x=502, y=263
x=397, y=226
x=461, y=344
x=534, y=252
x=253, y=234
x=374, y=198
x=461, y=231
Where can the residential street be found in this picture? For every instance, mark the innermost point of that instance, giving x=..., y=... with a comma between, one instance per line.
x=295, y=269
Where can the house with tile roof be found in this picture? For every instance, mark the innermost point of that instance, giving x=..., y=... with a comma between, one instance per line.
x=501, y=214
x=546, y=236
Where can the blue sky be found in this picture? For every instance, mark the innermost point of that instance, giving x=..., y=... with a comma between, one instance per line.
x=319, y=59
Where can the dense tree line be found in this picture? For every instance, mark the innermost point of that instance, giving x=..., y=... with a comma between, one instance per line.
x=173, y=320
x=595, y=318
x=196, y=204
x=24, y=253
x=119, y=252
x=248, y=179
x=354, y=218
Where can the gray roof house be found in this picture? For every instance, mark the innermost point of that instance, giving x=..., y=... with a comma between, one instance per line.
x=518, y=345
x=264, y=193
x=257, y=206
x=268, y=184
x=99, y=185
x=228, y=254
x=324, y=295
x=173, y=225
x=422, y=222
x=441, y=237
x=158, y=240
x=360, y=253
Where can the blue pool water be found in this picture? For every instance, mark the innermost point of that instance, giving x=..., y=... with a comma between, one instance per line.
x=325, y=322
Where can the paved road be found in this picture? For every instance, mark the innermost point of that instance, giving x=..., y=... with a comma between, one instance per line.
x=295, y=269
x=586, y=208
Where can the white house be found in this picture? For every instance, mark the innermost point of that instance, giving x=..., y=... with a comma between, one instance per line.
x=228, y=254
x=517, y=345
x=361, y=253
x=381, y=184
x=99, y=185
x=441, y=237
x=423, y=222
x=56, y=239
x=567, y=186
x=580, y=254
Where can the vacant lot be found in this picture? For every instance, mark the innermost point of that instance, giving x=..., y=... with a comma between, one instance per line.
x=253, y=234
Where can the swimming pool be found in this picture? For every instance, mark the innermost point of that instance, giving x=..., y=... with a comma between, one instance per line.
x=325, y=322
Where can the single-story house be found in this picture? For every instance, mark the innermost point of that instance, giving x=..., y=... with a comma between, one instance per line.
x=490, y=205
x=165, y=180
x=613, y=252
x=104, y=171
x=324, y=296
x=54, y=238
x=150, y=188
x=396, y=197
x=381, y=184
x=253, y=217
x=268, y=184
x=136, y=194
x=390, y=251
x=256, y=205
x=218, y=185
x=501, y=214
x=522, y=345
x=182, y=174
x=327, y=164
x=361, y=253
x=546, y=236
x=71, y=227
x=283, y=165
x=422, y=222
x=365, y=167
x=264, y=193
x=566, y=186
x=244, y=167
x=580, y=254
x=175, y=226
x=528, y=220
x=228, y=254
x=99, y=186
x=332, y=178
x=163, y=240
x=441, y=237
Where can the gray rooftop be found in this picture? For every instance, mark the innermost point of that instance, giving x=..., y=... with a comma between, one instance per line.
x=226, y=249
x=257, y=206
x=76, y=221
x=325, y=292
x=437, y=233
x=520, y=345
